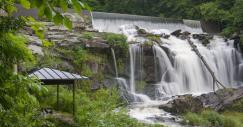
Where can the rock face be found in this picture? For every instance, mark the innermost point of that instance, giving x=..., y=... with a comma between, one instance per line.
x=183, y=104
x=216, y=101
x=204, y=38
x=176, y=33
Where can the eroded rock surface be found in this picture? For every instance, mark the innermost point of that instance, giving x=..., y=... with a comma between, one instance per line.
x=217, y=101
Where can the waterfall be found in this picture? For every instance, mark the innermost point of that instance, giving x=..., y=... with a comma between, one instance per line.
x=114, y=60
x=178, y=69
x=182, y=71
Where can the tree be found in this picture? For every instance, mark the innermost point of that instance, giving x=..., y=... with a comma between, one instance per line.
x=238, y=14
x=18, y=105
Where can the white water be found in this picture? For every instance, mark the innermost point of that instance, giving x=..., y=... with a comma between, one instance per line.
x=110, y=22
x=114, y=60
x=187, y=74
x=182, y=71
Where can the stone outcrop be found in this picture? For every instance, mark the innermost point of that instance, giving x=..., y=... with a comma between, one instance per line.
x=204, y=38
x=183, y=104
x=217, y=101
x=60, y=35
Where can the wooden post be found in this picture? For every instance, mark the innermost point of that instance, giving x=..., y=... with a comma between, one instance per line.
x=74, y=98
x=15, y=69
x=57, y=97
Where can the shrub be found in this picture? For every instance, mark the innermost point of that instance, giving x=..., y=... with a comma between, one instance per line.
x=148, y=43
x=117, y=41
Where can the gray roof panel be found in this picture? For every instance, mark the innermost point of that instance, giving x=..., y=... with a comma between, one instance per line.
x=53, y=74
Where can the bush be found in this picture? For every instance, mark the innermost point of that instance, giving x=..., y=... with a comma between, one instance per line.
x=18, y=104
x=117, y=41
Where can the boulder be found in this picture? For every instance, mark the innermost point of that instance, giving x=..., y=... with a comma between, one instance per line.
x=96, y=85
x=204, y=38
x=166, y=36
x=184, y=35
x=176, y=33
x=217, y=101
x=142, y=31
x=183, y=104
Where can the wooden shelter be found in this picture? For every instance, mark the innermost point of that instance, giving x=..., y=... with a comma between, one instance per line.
x=50, y=76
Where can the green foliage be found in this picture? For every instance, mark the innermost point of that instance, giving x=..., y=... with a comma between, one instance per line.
x=67, y=23
x=236, y=106
x=94, y=108
x=211, y=12
x=238, y=14
x=13, y=50
x=46, y=8
x=87, y=35
x=231, y=122
x=194, y=119
x=211, y=119
x=83, y=59
x=10, y=24
x=18, y=104
x=227, y=32
x=117, y=41
x=148, y=43
x=19, y=107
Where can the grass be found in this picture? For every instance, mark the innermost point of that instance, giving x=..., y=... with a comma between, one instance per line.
x=210, y=118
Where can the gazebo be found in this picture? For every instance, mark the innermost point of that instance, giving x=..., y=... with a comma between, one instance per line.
x=50, y=76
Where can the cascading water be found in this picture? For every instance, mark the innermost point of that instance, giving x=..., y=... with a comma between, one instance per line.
x=179, y=69
x=110, y=22
x=114, y=59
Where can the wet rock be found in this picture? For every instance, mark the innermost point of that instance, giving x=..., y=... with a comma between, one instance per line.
x=183, y=104
x=108, y=83
x=184, y=35
x=216, y=101
x=95, y=85
x=166, y=36
x=152, y=91
x=204, y=38
x=36, y=49
x=142, y=31
x=3, y=13
x=176, y=33
x=96, y=43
